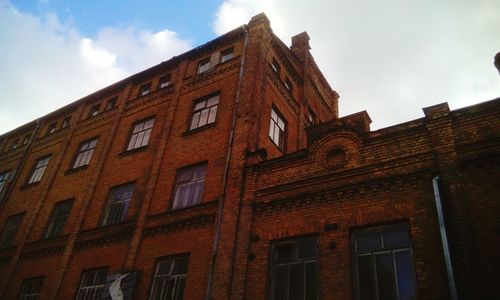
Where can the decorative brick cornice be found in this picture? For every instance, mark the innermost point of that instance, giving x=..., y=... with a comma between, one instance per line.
x=102, y=236
x=12, y=154
x=278, y=50
x=152, y=99
x=280, y=87
x=53, y=251
x=49, y=140
x=346, y=192
x=96, y=121
x=185, y=224
x=211, y=75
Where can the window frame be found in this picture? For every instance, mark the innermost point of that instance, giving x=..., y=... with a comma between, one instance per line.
x=99, y=286
x=144, y=90
x=31, y=280
x=165, y=81
x=80, y=151
x=65, y=122
x=48, y=232
x=288, y=85
x=94, y=110
x=200, y=111
x=112, y=199
x=52, y=128
x=131, y=134
x=275, y=66
x=26, y=139
x=111, y=103
x=34, y=169
x=157, y=263
x=4, y=179
x=296, y=260
x=225, y=53
x=9, y=229
x=14, y=144
x=272, y=122
x=201, y=65
x=191, y=168
x=355, y=253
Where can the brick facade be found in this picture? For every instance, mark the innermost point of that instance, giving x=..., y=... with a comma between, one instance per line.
x=330, y=179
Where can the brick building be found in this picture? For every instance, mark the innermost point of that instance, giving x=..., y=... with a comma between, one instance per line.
x=226, y=173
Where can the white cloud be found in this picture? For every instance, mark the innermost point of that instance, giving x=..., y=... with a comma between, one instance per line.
x=390, y=57
x=47, y=64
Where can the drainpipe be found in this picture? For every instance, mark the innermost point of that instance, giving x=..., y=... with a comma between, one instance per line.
x=226, y=170
x=444, y=239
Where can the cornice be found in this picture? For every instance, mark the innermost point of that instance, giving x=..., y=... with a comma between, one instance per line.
x=276, y=82
x=209, y=76
x=12, y=154
x=102, y=236
x=152, y=99
x=184, y=224
x=50, y=140
x=96, y=121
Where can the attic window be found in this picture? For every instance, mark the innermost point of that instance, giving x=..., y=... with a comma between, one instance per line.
x=111, y=103
x=204, y=65
x=52, y=128
x=94, y=110
x=164, y=82
x=226, y=55
x=65, y=122
x=276, y=67
x=145, y=89
x=288, y=84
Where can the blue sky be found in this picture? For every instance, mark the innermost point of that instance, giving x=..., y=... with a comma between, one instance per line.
x=388, y=57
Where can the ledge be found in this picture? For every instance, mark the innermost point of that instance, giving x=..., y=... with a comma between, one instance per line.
x=192, y=131
x=74, y=170
x=129, y=152
x=29, y=185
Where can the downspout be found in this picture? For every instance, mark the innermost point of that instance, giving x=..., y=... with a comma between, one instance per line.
x=444, y=239
x=226, y=170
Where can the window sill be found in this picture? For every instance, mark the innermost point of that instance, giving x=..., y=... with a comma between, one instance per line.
x=74, y=170
x=28, y=185
x=191, y=131
x=132, y=151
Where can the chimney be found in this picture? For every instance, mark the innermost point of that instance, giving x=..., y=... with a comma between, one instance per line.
x=300, y=45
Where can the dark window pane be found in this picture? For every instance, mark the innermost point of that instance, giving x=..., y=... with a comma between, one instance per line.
x=311, y=281
x=280, y=282
x=296, y=282
x=404, y=271
x=385, y=276
x=396, y=237
x=366, y=280
x=306, y=248
x=284, y=252
x=368, y=241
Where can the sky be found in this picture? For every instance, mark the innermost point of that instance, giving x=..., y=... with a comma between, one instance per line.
x=388, y=57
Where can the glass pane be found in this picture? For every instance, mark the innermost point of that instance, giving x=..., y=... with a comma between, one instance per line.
x=181, y=265
x=203, y=118
x=368, y=241
x=296, y=282
x=274, y=116
x=280, y=283
x=194, y=122
x=306, y=248
x=284, y=252
x=385, y=276
x=212, y=114
x=200, y=105
x=281, y=124
x=366, y=281
x=405, y=275
x=311, y=281
x=271, y=130
x=164, y=268
x=181, y=283
x=213, y=101
x=396, y=237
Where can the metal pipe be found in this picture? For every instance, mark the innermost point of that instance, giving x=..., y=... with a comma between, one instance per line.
x=444, y=239
x=226, y=170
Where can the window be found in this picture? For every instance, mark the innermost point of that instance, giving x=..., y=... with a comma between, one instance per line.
x=226, y=55
x=311, y=118
x=383, y=264
x=276, y=67
x=9, y=230
x=288, y=84
x=164, y=82
x=140, y=134
x=145, y=89
x=277, y=129
x=189, y=186
x=205, y=111
x=294, y=269
x=94, y=110
x=118, y=201
x=31, y=288
x=204, y=65
x=65, y=122
x=14, y=144
x=111, y=103
x=170, y=278
x=84, y=153
x=26, y=139
x=52, y=128
x=39, y=169
x=92, y=284
x=58, y=219
x=4, y=177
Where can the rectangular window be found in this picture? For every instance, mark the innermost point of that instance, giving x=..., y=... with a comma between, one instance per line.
x=52, y=128
x=294, y=269
x=9, y=230
x=92, y=284
x=383, y=266
x=277, y=129
x=170, y=278
x=4, y=178
x=226, y=55
x=205, y=111
x=311, y=118
x=39, y=169
x=140, y=134
x=58, y=219
x=111, y=103
x=189, y=186
x=65, y=122
x=94, y=110
x=14, y=144
x=26, y=139
x=145, y=89
x=204, y=65
x=118, y=202
x=31, y=288
x=276, y=67
x=84, y=153
x=164, y=82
